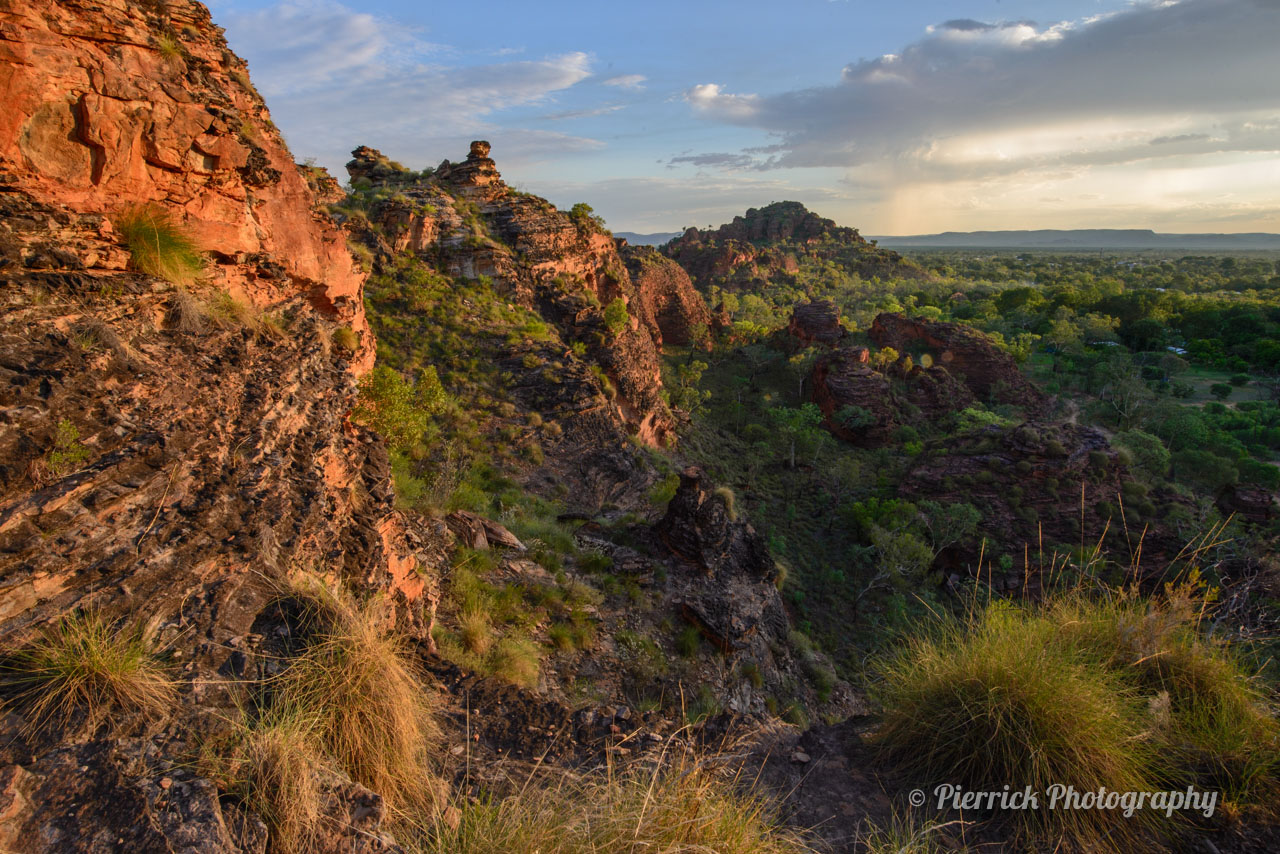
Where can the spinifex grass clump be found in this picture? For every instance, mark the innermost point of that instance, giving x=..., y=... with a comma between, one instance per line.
x=999, y=700
x=1090, y=689
x=673, y=807
x=271, y=763
x=85, y=670
x=1211, y=720
x=159, y=245
x=372, y=714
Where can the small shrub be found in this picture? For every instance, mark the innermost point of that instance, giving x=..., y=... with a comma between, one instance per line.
x=346, y=338
x=616, y=318
x=664, y=490
x=159, y=246
x=85, y=669
x=67, y=453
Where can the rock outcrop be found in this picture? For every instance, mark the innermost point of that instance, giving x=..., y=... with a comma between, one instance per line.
x=471, y=224
x=965, y=353
x=1046, y=487
x=865, y=406
x=169, y=453
x=777, y=242
x=666, y=301
x=116, y=104
x=816, y=322
x=734, y=599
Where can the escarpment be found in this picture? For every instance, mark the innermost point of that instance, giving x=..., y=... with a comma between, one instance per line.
x=175, y=444
x=779, y=242
x=563, y=266
x=114, y=104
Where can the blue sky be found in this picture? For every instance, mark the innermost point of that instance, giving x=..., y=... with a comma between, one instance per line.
x=893, y=118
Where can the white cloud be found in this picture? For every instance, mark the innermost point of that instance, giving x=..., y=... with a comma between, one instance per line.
x=337, y=78
x=626, y=81
x=1188, y=84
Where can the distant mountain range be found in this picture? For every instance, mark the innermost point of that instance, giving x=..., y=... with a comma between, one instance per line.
x=1086, y=238
x=655, y=239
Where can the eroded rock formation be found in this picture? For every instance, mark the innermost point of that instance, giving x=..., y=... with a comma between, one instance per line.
x=775, y=242
x=965, y=353
x=112, y=104
x=816, y=322
x=666, y=302
x=466, y=218
x=170, y=453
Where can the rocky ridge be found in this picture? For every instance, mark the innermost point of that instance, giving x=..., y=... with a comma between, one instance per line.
x=775, y=243
x=466, y=218
x=172, y=452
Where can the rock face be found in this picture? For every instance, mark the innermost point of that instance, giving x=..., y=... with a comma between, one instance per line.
x=168, y=455
x=816, y=322
x=776, y=242
x=734, y=602
x=666, y=303
x=471, y=224
x=965, y=353
x=890, y=399
x=116, y=103
x=1048, y=486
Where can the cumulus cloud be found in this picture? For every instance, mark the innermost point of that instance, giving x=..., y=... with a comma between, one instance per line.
x=973, y=98
x=337, y=78
x=627, y=81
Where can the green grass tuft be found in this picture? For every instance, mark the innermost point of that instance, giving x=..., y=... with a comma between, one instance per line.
x=85, y=670
x=159, y=245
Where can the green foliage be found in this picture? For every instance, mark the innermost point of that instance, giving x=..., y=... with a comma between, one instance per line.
x=664, y=490
x=689, y=641
x=67, y=453
x=399, y=410
x=1149, y=454
x=584, y=217
x=159, y=245
x=1222, y=391
x=616, y=318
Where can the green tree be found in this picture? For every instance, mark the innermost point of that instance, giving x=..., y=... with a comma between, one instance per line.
x=1150, y=455
x=948, y=524
x=616, y=318
x=397, y=409
x=797, y=428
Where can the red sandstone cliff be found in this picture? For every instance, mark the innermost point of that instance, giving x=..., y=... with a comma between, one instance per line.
x=466, y=218
x=206, y=451
x=116, y=103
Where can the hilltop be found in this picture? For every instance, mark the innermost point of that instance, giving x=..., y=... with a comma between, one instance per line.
x=781, y=242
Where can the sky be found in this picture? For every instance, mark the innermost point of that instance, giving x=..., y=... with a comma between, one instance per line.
x=895, y=118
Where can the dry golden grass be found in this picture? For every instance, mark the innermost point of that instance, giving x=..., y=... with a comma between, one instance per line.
x=272, y=765
x=85, y=671
x=374, y=716
x=677, y=807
